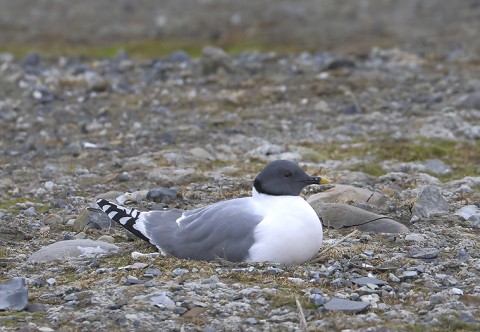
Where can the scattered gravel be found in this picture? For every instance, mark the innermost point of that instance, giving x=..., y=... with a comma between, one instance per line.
x=397, y=128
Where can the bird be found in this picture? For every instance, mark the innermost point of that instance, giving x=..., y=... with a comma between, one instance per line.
x=275, y=224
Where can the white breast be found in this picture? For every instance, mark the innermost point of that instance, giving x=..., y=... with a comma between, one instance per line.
x=290, y=233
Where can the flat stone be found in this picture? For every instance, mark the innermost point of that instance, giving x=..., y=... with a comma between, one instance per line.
x=8, y=233
x=467, y=211
x=347, y=194
x=409, y=275
x=364, y=281
x=415, y=238
x=337, y=304
x=424, y=253
x=13, y=295
x=88, y=219
x=338, y=216
x=159, y=299
x=429, y=202
x=162, y=194
x=72, y=248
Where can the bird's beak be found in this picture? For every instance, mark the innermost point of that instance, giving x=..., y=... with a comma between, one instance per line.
x=317, y=180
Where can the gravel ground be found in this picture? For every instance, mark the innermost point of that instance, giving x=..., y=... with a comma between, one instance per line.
x=399, y=121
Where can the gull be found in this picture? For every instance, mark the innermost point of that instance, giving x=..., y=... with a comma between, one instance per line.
x=275, y=224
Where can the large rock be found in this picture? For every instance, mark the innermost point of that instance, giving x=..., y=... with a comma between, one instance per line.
x=92, y=219
x=338, y=216
x=348, y=194
x=429, y=202
x=72, y=248
x=13, y=295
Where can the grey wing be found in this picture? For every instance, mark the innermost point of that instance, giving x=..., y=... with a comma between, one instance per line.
x=224, y=230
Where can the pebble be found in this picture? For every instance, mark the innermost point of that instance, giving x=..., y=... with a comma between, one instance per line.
x=424, y=253
x=365, y=281
x=337, y=304
x=162, y=195
x=180, y=272
x=106, y=238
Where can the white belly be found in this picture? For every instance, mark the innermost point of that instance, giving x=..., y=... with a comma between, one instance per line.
x=291, y=233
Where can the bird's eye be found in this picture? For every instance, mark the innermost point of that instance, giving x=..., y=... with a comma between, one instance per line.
x=287, y=175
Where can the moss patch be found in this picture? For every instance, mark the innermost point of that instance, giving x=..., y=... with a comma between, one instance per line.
x=462, y=157
x=145, y=49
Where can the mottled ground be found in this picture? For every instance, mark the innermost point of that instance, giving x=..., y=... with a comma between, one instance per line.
x=400, y=119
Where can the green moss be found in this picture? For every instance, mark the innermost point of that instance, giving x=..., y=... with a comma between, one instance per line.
x=462, y=157
x=145, y=49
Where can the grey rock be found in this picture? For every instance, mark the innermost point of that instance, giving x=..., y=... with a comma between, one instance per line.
x=72, y=248
x=337, y=304
x=215, y=59
x=10, y=233
x=437, y=298
x=467, y=212
x=180, y=272
x=13, y=295
x=415, y=237
x=429, y=202
x=364, y=281
x=437, y=167
x=318, y=299
x=338, y=216
x=162, y=195
x=150, y=273
x=159, y=299
x=106, y=238
x=88, y=219
x=347, y=194
x=424, y=253
x=473, y=101
x=408, y=275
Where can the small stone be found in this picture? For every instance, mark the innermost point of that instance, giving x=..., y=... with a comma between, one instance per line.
x=13, y=295
x=409, y=275
x=138, y=266
x=49, y=185
x=467, y=211
x=53, y=219
x=106, y=238
x=215, y=59
x=337, y=304
x=437, y=298
x=159, y=299
x=455, y=291
x=162, y=195
x=180, y=272
x=132, y=281
x=318, y=299
x=251, y=321
x=273, y=270
x=365, y=281
x=153, y=272
x=430, y=201
x=88, y=219
x=81, y=236
x=51, y=281
x=180, y=310
x=415, y=237
x=71, y=297
x=424, y=253
x=29, y=212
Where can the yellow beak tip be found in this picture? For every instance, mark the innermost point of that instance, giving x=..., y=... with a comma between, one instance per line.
x=324, y=181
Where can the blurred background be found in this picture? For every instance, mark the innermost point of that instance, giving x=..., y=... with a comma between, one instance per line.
x=148, y=28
